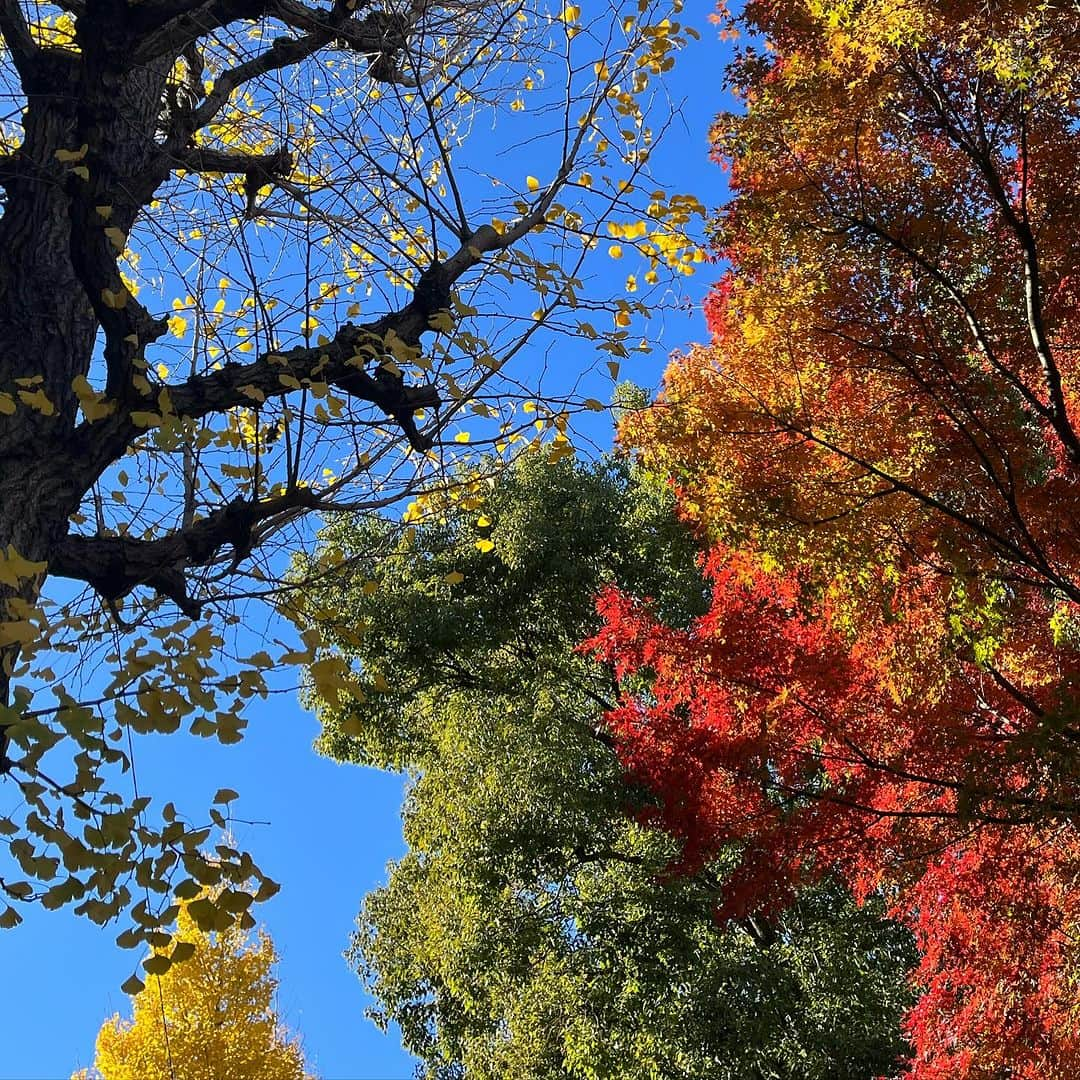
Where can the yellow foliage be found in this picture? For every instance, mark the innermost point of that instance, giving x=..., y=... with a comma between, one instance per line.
x=207, y=1018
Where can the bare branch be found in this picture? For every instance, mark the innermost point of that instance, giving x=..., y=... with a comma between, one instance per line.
x=340, y=362
x=203, y=159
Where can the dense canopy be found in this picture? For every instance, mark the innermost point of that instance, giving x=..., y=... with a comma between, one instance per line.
x=532, y=930
x=880, y=438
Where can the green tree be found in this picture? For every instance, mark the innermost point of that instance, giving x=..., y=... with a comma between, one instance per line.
x=530, y=930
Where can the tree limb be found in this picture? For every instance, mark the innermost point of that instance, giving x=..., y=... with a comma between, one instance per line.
x=376, y=33
x=337, y=363
x=202, y=159
x=166, y=29
x=258, y=169
x=16, y=35
x=115, y=565
x=340, y=362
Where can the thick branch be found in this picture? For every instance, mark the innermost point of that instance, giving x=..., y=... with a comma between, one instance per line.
x=342, y=362
x=373, y=34
x=166, y=29
x=204, y=160
x=379, y=36
x=17, y=37
x=258, y=169
x=115, y=565
x=127, y=325
x=338, y=363
x=153, y=14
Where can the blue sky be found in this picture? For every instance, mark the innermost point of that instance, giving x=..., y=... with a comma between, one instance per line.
x=331, y=828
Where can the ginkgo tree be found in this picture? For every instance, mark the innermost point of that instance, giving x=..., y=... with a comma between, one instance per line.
x=212, y=1016
x=261, y=258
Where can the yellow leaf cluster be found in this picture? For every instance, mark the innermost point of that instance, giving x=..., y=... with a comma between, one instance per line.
x=210, y=1015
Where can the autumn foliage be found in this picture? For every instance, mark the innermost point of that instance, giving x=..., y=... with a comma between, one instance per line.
x=880, y=444
x=245, y=256
x=210, y=1017
x=765, y=729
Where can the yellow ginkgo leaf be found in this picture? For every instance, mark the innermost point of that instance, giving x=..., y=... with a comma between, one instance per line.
x=455, y=577
x=38, y=401
x=484, y=546
x=68, y=156
x=14, y=569
x=532, y=183
x=114, y=299
x=93, y=404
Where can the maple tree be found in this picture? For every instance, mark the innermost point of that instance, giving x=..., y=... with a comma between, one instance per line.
x=258, y=262
x=209, y=1017
x=530, y=930
x=880, y=443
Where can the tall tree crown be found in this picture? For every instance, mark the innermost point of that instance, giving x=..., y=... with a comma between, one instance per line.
x=210, y=1017
x=533, y=929
x=881, y=438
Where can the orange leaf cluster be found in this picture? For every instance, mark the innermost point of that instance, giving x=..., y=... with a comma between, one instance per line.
x=880, y=443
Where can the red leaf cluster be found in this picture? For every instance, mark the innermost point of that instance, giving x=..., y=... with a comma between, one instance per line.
x=761, y=729
x=881, y=446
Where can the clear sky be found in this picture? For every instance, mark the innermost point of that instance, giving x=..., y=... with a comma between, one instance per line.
x=331, y=828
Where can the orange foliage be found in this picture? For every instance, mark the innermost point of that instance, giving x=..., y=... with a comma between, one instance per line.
x=881, y=441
